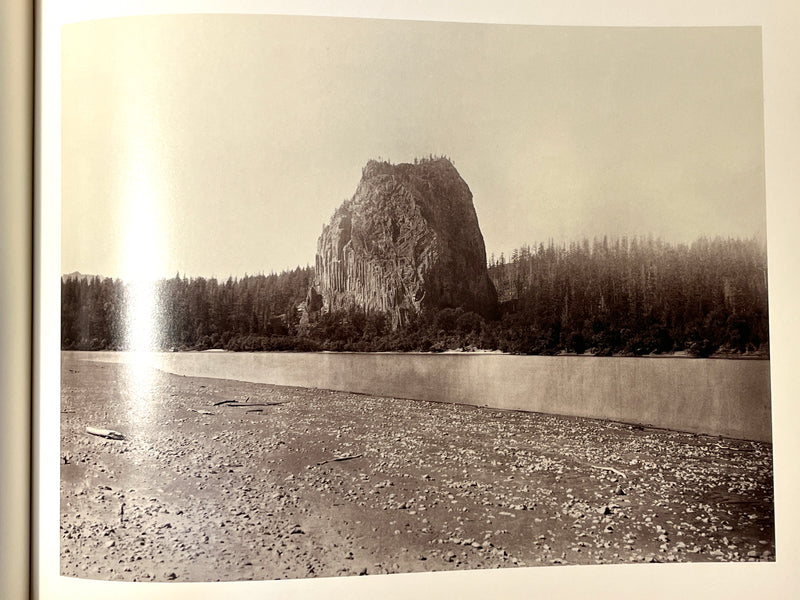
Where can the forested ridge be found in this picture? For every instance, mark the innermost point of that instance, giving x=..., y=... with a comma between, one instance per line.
x=636, y=296
x=623, y=296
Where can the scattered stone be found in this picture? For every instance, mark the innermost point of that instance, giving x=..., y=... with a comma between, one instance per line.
x=450, y=464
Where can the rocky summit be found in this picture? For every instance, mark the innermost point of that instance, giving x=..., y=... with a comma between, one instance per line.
x=407, y=240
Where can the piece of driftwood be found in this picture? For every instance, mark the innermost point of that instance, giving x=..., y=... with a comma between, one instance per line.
x=612, y=469
x=339, y=459
x=255, y=410
x=252, y=404
x=105, y=433
x=221, y=402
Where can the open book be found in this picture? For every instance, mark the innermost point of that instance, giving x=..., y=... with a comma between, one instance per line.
x=484, y=301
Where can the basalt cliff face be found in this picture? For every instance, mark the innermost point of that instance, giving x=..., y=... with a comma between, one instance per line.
x=408, y=239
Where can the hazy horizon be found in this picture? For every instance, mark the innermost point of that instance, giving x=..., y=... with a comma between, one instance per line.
x=507, y=257
x=219, y=145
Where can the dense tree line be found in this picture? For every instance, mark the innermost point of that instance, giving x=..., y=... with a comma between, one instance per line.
x=636, y=296
x=630, y=297
x=193, y=313
x=93, y=313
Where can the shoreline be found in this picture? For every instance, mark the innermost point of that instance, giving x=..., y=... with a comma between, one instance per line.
x=324, y=483
x=476, y=352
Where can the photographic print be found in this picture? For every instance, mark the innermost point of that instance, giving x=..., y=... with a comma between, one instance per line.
x=350, y=297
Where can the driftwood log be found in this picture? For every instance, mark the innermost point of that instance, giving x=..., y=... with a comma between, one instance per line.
x=105, y=433
x=339, y=459
x=612, y=469
x=235, y=404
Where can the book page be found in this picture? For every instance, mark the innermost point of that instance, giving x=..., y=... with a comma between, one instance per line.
x=16, y=208
x=466, y=169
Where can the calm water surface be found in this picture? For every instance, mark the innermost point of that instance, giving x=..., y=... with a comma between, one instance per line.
x=714, y=396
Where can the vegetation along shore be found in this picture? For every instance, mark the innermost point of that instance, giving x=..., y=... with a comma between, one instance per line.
x=606, y=297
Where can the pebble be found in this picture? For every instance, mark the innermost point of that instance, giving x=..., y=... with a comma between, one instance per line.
x=451, y=464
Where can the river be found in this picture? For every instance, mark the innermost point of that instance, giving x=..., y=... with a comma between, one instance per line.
x=728, y=398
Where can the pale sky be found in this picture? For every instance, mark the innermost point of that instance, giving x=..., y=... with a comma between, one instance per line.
x=219, y=145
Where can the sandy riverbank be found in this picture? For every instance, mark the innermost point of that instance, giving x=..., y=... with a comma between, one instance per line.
x=199, y=491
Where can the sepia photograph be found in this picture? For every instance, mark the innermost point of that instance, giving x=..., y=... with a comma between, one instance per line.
x=356, y=297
